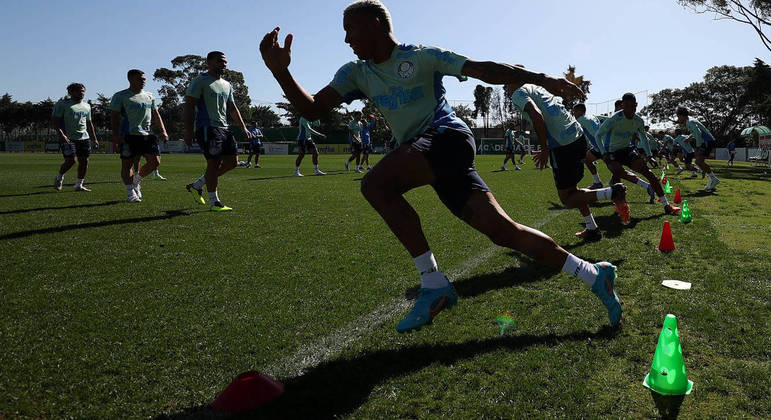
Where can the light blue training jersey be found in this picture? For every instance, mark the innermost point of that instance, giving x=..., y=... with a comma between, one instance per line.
x=617, y=131
x=407, y=88
x=354, y=135
x=136, y=110
x=561, y=128
x=74, y=117
x=699, y=132
x=509, y=136
x=590, y=126
x=366, y=129
x=213, y=97
x=681, y=142
x=305, y=130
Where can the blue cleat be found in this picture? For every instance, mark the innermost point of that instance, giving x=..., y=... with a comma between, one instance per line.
x=604, y=289
x=430, y=302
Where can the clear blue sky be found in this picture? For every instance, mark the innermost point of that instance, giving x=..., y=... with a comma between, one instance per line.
x=618, y=45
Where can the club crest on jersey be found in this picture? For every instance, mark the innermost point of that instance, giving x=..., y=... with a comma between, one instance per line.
x=405, y=69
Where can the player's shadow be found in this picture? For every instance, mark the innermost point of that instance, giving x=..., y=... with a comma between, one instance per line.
x=28, y=194
x=336, y=388
x=169, y=214
x=701, y=193
x=612, y=227
x=75, y=206
x=270, y=178
x=90, y=183
x=744, y=172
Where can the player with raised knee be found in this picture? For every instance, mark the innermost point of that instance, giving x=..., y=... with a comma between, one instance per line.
x=305, y=144
x=595, y=152
x=437, y=148
x=686, y=152
x=208, y=101
x=131, y=112
x=704, y=143
x=71, y=119
x=617, y=133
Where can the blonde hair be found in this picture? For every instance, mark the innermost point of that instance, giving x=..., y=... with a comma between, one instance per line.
x=374, y=8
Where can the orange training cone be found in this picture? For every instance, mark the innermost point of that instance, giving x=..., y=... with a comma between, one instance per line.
x=248, y=391
x=667, y=243
x=677, y=197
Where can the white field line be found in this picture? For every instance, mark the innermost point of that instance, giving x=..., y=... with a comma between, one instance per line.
x=324, y=348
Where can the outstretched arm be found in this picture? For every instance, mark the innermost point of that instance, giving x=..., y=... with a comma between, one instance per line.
x=501, y=73
x=277, y=59
x=541, y=158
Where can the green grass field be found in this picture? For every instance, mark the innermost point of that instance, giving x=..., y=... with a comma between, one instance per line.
x=111, y=309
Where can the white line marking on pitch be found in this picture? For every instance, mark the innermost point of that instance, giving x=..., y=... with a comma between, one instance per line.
x=324, y=348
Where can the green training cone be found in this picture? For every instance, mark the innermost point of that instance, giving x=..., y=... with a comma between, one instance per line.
x=667, y=375
x=667, y=188
x=663, y=174
x=685, y=213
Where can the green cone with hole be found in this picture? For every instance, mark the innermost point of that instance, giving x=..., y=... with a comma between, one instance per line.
x=667, y=375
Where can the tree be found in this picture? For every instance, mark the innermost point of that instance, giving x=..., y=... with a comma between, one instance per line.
x=721, y=102
x=100, y=112
x=578, y=81
x=290, y=113
x=176, y=80
x=465, y=113
x=759, y=91
x=264, y=116
x=756, y=13
x=482, y=99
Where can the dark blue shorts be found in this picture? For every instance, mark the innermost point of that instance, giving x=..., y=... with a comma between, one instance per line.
x=706, y=148
x=367, y=148
x=216, y=142
x=567, y=164
x=451, y=153
x=624, y=156
x=139, y=145
x=305, y=145
x=79, y=148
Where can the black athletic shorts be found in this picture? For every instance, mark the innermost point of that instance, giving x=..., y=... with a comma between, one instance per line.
x=139, y=145
x=641, y=152
x=595, y=153
x=509, y=150
x=688, y=158
x=367, y=148
x=356, y=147
x=706, y=148
x=567, y=163
x=624, y=156
x=216, y=142
x=451, y=153
x=255, y=148
x=305, y=145
x=79, y=148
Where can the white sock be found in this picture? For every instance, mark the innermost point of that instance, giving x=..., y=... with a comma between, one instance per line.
x=597, y=179
x=604, y=193
x=60, y=177
x=297, y=169
x=137, y=179
x=584, y=270
x=643, y=184
x=156, y=173
x=130, y=189
x=590, y=223
x=712, y=176
x=199, y=183
x=213, y=197
x=430, y=275
x=79, y=182
x=316, y=167
x=664, y=200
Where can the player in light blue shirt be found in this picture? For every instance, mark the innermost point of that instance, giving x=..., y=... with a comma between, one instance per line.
x=208, y=101
x=564, y=144
x=255, y=147
x=508, y=135
x=305, y=143
x=616, y=134
x=71, y=119
x=366, y=140
x=354, y=140
x=681, y=142
x=668, y=149
x=590, y=125
x=704, y=142
x=131, y=112
x=437, y=148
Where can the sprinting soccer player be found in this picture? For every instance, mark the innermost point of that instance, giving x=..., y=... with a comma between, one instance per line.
x=704, y=143
x=71, y=119
x=208, y=101
x=645, y=150
x=366, y=141
x=354, y=140
x=131, y=112
x=255, y=147
x=686, y=152
x=732, y=152
x=437, y=149
x=305, y=143
x=617, y=134
x=510, y=141
x=564, y=144
x=655, y=146
x=595, y=152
